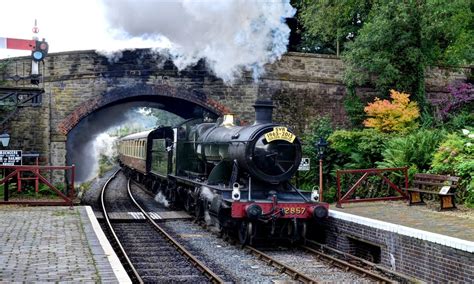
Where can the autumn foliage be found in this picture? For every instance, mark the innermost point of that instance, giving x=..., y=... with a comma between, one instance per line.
x=399, y=115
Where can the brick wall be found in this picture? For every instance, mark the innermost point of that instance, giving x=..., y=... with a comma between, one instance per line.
x=425, y=260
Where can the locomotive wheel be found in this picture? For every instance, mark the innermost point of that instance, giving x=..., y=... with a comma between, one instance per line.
x=199, y=210
x=188, y=202
x=246, y=233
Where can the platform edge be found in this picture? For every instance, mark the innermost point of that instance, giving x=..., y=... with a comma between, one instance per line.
x=114, y=261
x=448, y=241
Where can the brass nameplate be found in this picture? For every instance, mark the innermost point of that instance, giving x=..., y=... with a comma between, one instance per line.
x=280, y=133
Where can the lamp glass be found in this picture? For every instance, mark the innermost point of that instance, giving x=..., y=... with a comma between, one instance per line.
x=4, y=139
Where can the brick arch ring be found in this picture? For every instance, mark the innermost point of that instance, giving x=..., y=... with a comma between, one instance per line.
x=176, y=100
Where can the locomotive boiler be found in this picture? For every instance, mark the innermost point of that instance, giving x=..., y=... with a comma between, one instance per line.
x=235, y=177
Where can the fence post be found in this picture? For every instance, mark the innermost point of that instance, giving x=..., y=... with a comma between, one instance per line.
x=338, y=205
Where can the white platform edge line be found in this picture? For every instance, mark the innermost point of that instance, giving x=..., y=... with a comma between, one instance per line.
x=114, y=261
x=407, y=231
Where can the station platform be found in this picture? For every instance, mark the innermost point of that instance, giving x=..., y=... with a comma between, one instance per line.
x=397, y=216
x=55, y=244
x=419, y=241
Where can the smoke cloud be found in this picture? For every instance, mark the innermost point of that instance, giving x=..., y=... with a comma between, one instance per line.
x=232, y=35
x=89, y=139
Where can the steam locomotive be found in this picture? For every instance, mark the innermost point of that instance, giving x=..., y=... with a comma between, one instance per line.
x=237, y=178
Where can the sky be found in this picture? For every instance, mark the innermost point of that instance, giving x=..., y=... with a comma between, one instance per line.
x=232, y=35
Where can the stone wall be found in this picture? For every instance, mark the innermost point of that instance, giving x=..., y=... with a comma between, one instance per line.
x=76, y=84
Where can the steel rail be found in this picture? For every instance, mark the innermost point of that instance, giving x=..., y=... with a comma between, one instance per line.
x=112, y=231
x=296, y=275
x=347, y=266
x=214, y=278
x=396, y=275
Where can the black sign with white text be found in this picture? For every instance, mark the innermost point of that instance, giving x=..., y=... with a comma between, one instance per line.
x=10, y=158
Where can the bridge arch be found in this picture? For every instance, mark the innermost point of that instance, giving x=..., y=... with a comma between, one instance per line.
x=182, y=102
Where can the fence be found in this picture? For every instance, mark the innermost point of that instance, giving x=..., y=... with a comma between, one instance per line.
x=348, y=196
x=19, y=174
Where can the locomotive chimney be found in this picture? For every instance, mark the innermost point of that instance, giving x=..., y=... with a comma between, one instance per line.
x=263, y=111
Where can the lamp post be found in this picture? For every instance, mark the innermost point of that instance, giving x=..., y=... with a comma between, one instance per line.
x=321, y=147
x=5, y=139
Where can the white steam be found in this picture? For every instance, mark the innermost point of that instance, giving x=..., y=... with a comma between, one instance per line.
x=160, y=198
x=232, y=35
x=102, y=145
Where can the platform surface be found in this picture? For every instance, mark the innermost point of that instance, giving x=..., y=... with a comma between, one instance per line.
x=55, y=244
x=456, y=224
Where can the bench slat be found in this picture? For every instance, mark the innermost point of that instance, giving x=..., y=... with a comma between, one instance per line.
x=427, y=191
x=420, y=182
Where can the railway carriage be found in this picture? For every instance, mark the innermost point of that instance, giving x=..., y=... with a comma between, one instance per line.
x=235, y=177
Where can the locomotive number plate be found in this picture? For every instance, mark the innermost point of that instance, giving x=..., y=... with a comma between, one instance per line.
x=280, y=133
x=294, y=210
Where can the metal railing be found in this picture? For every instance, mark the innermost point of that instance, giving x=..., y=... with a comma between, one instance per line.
x=15, y=174
x=365, y=174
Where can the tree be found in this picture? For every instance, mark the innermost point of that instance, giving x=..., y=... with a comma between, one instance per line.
x=329, y=24
x=390, y=43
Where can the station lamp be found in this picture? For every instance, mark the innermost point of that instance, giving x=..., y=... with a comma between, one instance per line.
x=5, y=139
x=321, y=146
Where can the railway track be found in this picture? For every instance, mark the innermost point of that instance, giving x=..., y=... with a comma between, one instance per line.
x=328, y=265
x=361, y=266
x=149, y=253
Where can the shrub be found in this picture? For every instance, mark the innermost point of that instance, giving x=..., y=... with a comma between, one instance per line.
x=455, y=156
x=396, y=116
x=461, y=98
x=361, y=148
x=415, y=150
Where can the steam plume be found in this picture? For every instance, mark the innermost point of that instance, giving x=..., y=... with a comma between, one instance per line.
x=232, y=35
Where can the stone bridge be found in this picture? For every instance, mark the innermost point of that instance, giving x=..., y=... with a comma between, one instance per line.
x=78, y=84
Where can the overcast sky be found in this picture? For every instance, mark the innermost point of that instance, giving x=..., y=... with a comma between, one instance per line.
x=233, y=35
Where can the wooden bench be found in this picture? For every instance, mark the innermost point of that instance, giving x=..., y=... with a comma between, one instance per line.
x=443, y=186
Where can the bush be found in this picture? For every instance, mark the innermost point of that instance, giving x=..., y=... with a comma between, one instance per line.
x=455, y=156
x=415, y=150
x=461, y=98
x=396, y=116
x=361, y=148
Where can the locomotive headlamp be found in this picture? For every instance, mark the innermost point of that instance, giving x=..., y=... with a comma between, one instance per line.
x=228, y=120
x=314, y=195
x=320, y=212
x=254, y=211
x=236, y=192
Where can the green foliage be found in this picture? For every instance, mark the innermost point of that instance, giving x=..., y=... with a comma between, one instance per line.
x=320, y=127
x=455, y=156
x=327, y=22
x=354, y=108
x=361, y=148
x=387, y=51
x=105, y=164
x=389, y=44
x=460, y=120
x=414, y=150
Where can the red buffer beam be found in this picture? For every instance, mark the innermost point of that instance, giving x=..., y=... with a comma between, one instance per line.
x=14, y=43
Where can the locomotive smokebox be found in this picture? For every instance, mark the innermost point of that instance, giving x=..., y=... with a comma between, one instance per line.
x=263, y=111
